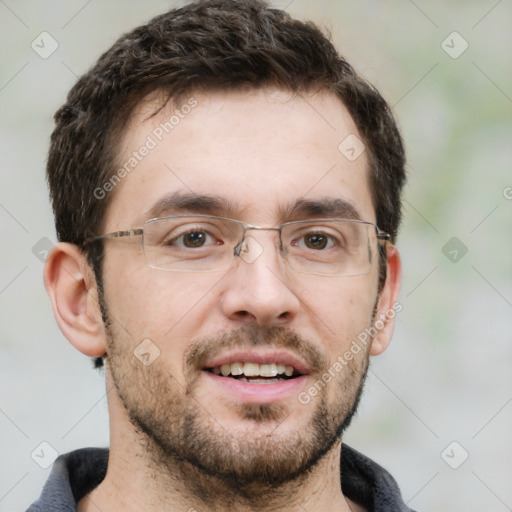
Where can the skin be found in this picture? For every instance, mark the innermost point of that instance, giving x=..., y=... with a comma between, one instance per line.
x=262, y=150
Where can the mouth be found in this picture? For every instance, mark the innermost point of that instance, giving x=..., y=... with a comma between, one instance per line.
x=255, y=377
x=256, y=373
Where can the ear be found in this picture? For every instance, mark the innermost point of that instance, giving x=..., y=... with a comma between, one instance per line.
x=71, y=285
x=388, y=306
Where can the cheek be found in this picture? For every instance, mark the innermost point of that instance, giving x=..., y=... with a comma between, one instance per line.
x=167, y=308
x=339, y=311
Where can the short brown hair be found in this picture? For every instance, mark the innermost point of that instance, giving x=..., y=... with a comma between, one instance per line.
x=207, y=45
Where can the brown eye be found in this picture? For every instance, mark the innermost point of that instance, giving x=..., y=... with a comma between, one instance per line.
x=316, y=241
x=194, y=239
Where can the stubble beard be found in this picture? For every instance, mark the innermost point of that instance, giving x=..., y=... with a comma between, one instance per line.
x=178, y=433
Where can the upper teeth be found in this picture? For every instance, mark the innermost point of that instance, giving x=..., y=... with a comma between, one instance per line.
x=253, y=369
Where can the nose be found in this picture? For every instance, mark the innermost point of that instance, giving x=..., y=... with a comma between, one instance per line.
x=258, y=290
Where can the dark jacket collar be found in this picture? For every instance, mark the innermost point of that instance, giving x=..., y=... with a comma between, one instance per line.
x=76, y=473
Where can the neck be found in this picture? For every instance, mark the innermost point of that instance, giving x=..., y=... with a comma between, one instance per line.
x=133, y=482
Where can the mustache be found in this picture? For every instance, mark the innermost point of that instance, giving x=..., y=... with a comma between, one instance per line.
x=274, y=337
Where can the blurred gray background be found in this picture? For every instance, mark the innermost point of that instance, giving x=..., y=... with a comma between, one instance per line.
x=437, y=408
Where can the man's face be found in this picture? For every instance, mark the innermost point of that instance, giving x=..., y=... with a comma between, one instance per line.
x=260, y=154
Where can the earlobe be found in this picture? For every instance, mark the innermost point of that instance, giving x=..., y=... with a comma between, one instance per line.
x=70, y=283
x=388, y=306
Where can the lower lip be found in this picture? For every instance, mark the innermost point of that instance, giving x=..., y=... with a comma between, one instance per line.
x=258, y=393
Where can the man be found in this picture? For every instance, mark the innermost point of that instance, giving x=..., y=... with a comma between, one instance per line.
x=227, y=194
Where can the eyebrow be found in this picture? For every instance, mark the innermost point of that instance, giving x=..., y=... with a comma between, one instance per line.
x=204, y=204
x=323, y=207
x=179, y=202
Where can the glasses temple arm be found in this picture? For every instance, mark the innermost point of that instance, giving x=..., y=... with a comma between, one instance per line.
x=116, y=234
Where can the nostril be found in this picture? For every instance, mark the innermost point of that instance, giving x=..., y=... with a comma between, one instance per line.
x=244, y=314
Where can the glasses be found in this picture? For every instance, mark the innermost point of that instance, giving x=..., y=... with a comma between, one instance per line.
x=204, y=243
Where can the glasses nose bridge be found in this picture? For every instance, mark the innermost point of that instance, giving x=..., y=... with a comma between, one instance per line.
x=259, y=228
x=247, y=228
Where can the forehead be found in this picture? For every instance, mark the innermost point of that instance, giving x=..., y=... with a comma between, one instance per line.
x=257, y=152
